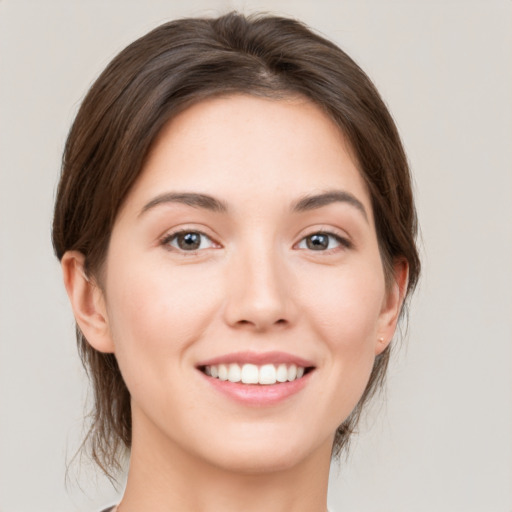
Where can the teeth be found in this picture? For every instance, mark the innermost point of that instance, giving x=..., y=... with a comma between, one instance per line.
x=292, y=372
x=250, y=374
x=267, y=374
x=223, y=372
x=234, y=373
x=253, y=374
x=282, y=373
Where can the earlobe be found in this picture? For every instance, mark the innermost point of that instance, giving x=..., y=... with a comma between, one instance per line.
x=392, y=306
x=87, y=302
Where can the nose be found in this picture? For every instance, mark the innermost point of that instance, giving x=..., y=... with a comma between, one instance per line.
x=259, y=295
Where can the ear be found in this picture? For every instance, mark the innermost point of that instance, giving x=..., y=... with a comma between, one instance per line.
x=392, y=306
x=87, y=302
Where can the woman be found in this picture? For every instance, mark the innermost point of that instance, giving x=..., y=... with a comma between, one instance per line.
x=236, y=230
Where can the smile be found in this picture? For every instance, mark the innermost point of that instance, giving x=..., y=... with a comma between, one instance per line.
x=266, y=374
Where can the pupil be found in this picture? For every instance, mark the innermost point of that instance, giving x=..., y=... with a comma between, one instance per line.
x=317, y=242
x=189, y=241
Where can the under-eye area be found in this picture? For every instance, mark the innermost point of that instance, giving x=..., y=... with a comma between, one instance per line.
x=265, y=374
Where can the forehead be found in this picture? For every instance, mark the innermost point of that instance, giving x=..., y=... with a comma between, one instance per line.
x=250, y=148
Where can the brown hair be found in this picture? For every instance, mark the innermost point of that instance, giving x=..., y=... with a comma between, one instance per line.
x=164, y=72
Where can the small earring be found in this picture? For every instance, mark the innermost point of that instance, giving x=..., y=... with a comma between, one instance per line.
x=381, y=340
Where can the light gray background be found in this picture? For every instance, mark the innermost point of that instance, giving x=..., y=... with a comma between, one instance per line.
x=443, y=439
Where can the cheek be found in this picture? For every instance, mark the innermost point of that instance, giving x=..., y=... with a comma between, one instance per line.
x=347, y=305
x=155, y=311
x=344, y=313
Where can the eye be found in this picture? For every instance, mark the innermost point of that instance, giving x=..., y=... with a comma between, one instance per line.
x=188, y=241
x=322, y=242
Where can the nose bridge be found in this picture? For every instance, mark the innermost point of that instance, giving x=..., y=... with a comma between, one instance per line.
x=258, y=295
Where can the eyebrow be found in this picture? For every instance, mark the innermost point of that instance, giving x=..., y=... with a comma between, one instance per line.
x=190, y=199
x=306, y=203
x=313, y=202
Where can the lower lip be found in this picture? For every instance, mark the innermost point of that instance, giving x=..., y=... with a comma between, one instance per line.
x=258, y=394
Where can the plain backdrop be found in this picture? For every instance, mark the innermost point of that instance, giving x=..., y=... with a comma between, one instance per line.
x=441, y=441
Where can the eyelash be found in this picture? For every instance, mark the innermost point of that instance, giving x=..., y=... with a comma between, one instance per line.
x=341, y=241
x=167, y=240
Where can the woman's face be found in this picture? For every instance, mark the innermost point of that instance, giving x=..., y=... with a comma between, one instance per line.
x=246, y=250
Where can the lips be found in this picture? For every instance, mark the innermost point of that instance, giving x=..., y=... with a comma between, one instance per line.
x=257, y=378
x=258, y=358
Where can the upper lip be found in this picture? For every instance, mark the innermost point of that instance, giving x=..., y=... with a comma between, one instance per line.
x=257, y=358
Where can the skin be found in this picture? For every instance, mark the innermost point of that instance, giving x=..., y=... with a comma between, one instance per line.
x=253, y=285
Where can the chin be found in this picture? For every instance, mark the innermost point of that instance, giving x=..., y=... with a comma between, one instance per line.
x=266, y=453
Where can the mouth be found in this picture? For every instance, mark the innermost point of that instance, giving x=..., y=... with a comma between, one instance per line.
x=254, y=374
x=257, y=379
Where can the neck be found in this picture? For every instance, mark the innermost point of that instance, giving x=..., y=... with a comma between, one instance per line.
x=170, y=479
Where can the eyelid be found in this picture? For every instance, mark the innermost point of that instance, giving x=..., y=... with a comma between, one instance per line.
x=342, y=237
x=168, y=236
